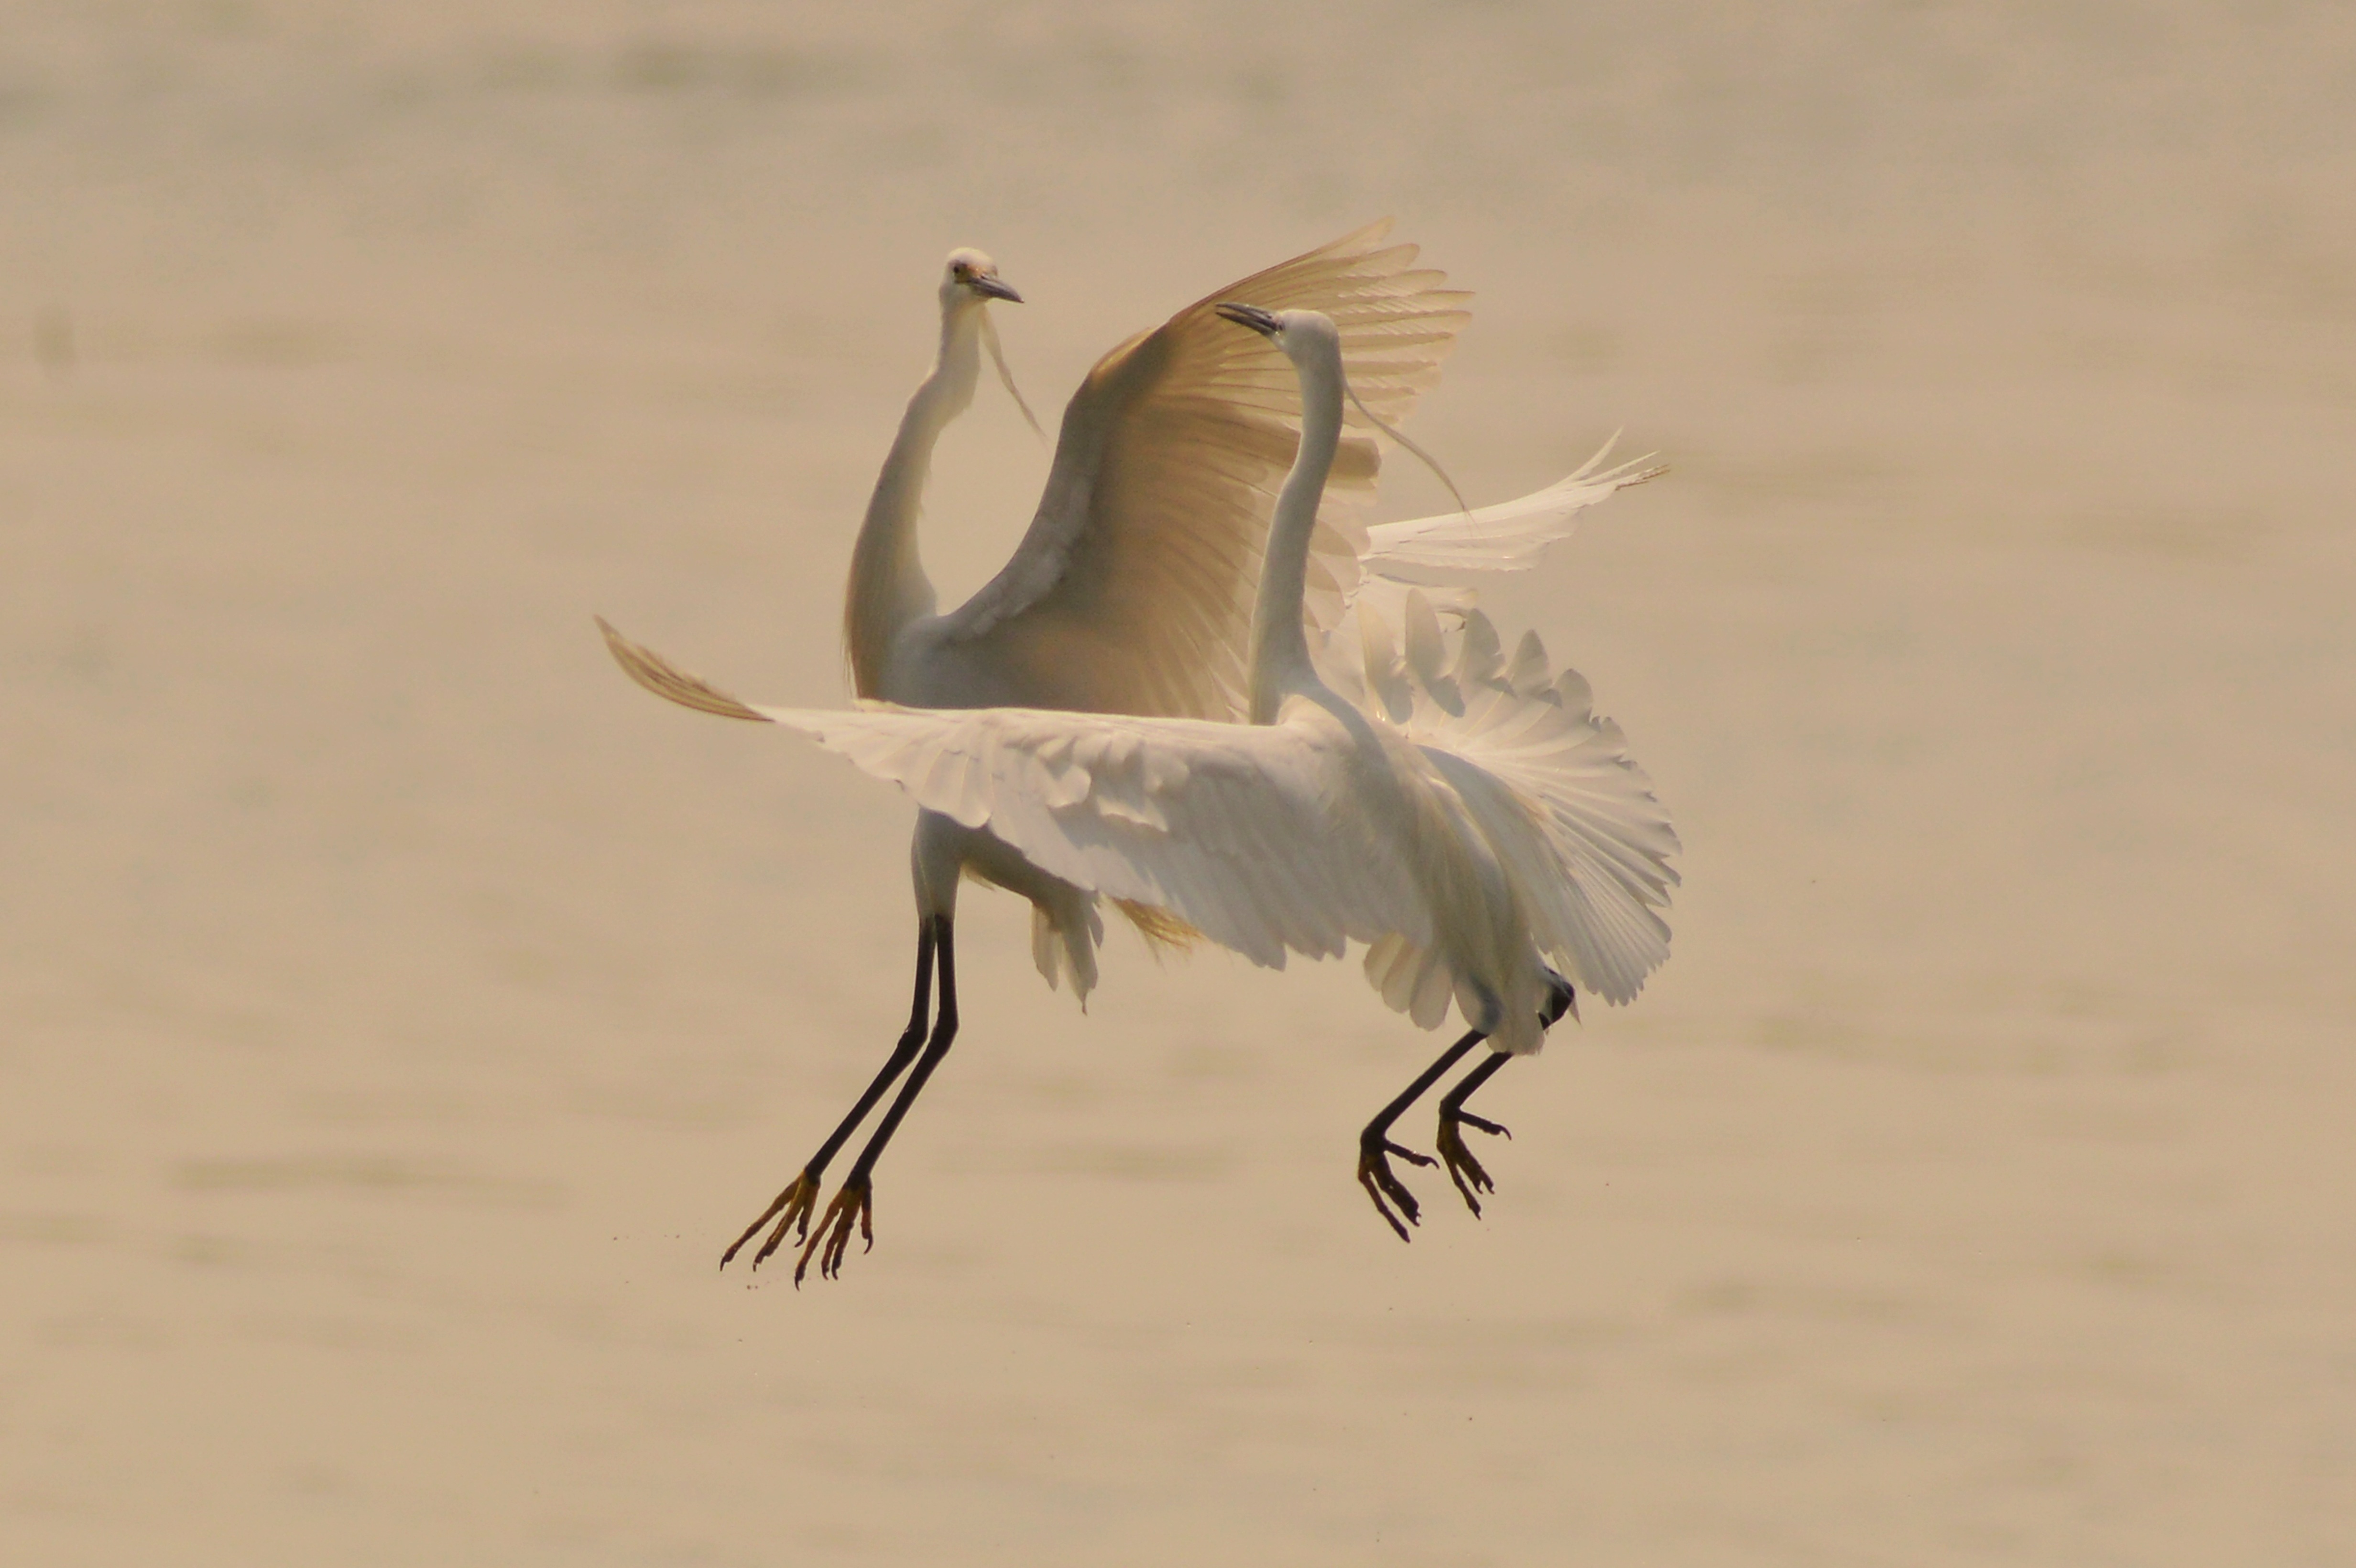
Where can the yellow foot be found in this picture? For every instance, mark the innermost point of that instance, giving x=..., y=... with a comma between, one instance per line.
x=795, y=1203
x=855, y=1204
x=1462, y=1168
x=1376, y=1175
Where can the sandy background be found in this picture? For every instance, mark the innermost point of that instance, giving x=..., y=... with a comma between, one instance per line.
x=400, y=1009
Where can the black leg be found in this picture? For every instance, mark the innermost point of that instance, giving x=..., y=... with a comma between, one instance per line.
x=1375, y=1145
x=856, y=1202
x=799, y=1198
x=1462, y=1168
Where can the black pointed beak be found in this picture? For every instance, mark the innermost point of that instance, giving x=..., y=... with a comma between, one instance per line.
x=1261, y=321
x=990, y=288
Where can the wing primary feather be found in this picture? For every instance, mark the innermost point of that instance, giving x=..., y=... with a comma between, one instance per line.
x=665, y=680
x=1131, y=591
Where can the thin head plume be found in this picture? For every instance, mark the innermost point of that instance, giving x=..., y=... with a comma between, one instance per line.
x=998, y=357
x=1429, y=461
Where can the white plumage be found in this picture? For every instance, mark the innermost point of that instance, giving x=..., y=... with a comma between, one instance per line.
x=1507, y=537
x=1131, y=590
x=1466, y=818
x=1267, y=838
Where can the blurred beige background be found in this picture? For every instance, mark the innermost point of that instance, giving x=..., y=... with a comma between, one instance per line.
x=400, y=1009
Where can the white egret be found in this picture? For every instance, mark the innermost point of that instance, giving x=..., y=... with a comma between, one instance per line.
x=1487, y=839
x=1129, y=592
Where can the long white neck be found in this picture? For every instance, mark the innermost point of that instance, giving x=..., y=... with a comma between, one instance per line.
x=1279, y=647
x=888, y=588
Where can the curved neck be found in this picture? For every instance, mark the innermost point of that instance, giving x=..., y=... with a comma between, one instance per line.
x=1279, y=648
x=888, y=588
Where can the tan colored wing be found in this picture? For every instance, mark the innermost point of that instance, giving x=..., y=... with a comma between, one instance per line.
x=1132, y=591
x=665, y=680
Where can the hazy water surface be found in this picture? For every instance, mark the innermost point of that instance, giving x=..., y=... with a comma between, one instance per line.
x=400, y=1011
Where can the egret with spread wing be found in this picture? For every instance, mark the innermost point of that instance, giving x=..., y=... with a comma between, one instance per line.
x=1514, y=850
x=1130, y=593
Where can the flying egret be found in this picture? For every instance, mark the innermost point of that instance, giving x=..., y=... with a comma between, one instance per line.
x=1131, y=592
x=1473, y=823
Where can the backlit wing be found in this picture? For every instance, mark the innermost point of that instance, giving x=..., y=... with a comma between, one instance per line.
x=1132, y=591
x=1232, y=827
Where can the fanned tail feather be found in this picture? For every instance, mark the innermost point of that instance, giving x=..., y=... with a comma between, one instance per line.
x=1547, y=783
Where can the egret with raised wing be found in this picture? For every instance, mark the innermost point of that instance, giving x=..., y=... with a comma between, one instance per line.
x=1131, y=592
x=1470, y=820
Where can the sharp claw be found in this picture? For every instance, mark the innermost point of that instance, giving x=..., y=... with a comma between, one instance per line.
x=1468, y=1177
x=1409, y=1205
x=1374, y=1174
x=754, y=1229
x=795, y=1201
x=853, y=1204
x=1366, y=1179
x=801, y=1265
x=1463, y=1169
x=776, y=1239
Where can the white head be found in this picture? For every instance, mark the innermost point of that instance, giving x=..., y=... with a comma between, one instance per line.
x=1297, y=331
x=971, y=277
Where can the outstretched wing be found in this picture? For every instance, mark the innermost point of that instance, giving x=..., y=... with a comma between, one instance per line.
x=1132, y=591
x=1229, y=826
x=1507, y=537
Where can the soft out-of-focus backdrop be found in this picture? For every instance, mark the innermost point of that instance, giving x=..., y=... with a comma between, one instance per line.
x=399, y=1009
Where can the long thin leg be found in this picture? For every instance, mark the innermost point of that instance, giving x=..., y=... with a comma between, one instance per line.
x=1462, y=1168
x=801, y=1195
x=1375, y=1145
x=856, y=1202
